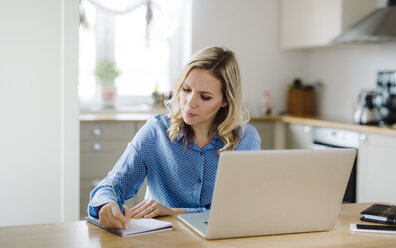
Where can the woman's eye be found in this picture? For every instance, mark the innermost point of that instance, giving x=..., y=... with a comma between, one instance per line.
x=186, y=90
x=206, y=98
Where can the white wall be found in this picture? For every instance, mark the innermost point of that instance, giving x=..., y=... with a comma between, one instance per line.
x=39, y=144
x=345, y=70
x=251, y=29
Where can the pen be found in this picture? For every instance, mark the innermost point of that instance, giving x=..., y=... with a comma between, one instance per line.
x=117, y=195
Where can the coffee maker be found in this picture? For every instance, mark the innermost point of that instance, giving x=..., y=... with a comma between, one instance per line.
x=385, y=98
x=366, y=113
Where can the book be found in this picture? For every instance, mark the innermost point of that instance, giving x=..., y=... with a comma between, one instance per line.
x=380, y=213
x=135, y=226
x=373, y=228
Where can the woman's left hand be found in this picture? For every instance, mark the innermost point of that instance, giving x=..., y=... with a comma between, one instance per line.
x=150, y=209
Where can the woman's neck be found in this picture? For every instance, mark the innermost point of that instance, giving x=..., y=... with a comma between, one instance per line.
x=202, y=136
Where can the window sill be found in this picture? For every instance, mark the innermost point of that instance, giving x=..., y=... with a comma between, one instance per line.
x=144, y=108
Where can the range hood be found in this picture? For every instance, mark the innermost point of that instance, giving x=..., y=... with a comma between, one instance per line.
x=378, y=26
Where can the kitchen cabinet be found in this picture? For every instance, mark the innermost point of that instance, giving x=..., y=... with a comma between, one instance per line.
x=299, y=136
x=266, y=130
x=313, y=23
x=376, y=168
x=101, y=145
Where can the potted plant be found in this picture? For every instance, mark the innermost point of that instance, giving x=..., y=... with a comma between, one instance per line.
x=106, y=72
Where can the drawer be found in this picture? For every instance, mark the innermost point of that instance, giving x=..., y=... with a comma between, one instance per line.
x=96, y=147
x=96, y=166
x=109, y=130
x=98, y=163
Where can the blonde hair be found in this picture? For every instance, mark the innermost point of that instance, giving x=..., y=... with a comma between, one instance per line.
x=229, y=121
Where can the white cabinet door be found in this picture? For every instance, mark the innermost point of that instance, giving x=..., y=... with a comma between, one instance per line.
x=299, y=136
x=376, y=169
x=313, y=23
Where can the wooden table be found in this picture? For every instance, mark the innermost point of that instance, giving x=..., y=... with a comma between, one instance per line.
x=82, y=234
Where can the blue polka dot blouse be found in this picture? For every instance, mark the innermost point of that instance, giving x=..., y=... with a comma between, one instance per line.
x=177, y=177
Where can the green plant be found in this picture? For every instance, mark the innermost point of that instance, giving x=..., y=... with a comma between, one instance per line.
x=106, y=71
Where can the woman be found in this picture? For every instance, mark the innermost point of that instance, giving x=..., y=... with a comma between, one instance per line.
x=179, y=152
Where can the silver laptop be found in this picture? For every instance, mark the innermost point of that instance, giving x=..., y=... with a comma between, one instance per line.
x=275, y=192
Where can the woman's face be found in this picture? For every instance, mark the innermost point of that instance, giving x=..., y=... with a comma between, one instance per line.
x=200, y=99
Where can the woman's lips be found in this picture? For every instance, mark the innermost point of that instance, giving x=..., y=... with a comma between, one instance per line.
x=190, y=115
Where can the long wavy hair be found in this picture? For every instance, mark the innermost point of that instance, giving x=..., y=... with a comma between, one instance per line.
x=229, y=121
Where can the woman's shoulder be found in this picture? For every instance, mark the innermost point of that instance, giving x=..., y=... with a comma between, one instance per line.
x=250, y=130
x=154, y=126
x=250, y=140
x=159, y=120
x=151, y=131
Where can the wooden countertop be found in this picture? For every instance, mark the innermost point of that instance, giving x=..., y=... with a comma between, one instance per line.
x=83, y=234
x=145, y=114
x=89, y=117
x=142, y=113
x=330, y=123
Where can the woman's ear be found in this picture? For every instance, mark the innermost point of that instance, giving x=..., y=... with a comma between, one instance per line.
x=225, y=104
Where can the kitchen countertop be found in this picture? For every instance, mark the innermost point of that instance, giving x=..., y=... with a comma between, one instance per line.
x=138, y=113
x=145, y=112
x=330, y=123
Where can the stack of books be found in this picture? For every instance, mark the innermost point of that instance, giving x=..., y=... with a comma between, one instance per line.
x=378, y=213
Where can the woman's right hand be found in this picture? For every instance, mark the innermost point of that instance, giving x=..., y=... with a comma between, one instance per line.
x=110, y=216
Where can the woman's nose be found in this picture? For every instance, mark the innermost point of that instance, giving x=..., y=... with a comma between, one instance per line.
x=192, y=101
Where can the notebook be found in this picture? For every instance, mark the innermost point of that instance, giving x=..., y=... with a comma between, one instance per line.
x=136, y=226
x=275, y=192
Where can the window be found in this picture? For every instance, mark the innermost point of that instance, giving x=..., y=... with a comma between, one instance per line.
x=87, y=56
x=144, y=64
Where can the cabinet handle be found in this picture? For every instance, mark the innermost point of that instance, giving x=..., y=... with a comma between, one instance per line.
x=97, y=131
x=307, y=129
x=363, y=137
x=97, y=147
